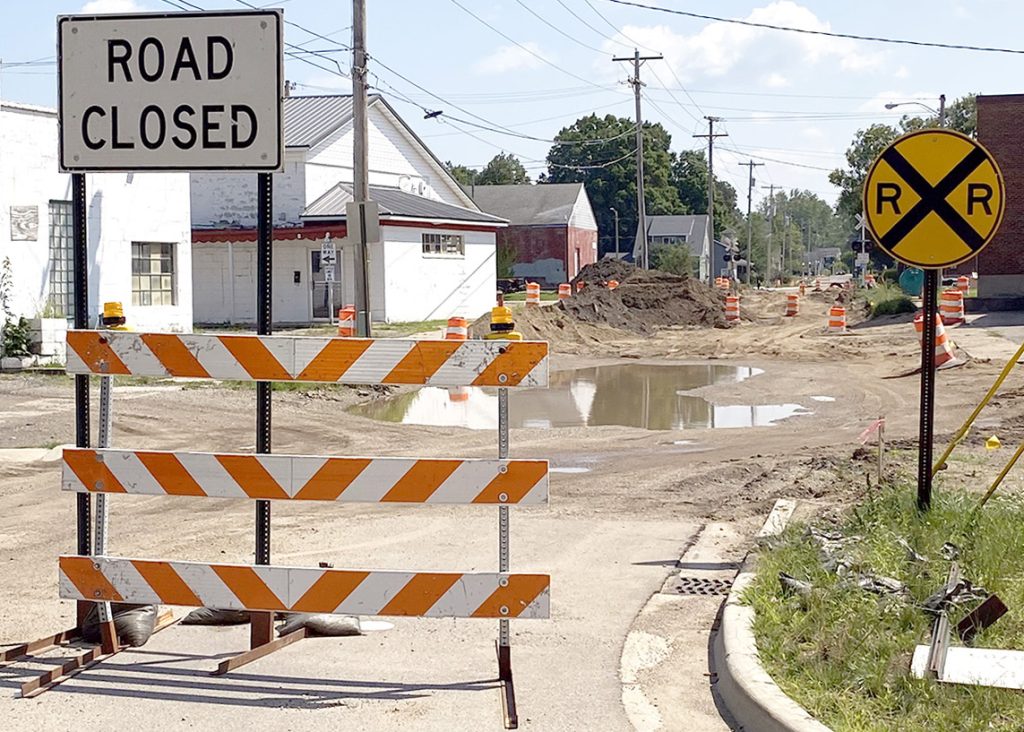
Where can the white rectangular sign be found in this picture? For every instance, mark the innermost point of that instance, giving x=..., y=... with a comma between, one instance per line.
x=171, y=91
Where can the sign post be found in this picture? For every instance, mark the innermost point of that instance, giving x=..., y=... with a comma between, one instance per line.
x=933, y=199
x=328, y=259
x=172, y=92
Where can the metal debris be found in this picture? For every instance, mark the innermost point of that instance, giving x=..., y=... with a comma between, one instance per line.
x=912, y=555
x=950, y=551
x=880, y=585
x=960, y=593
x=792, y=586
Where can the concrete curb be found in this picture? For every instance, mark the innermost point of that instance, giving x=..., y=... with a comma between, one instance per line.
x=753, y=699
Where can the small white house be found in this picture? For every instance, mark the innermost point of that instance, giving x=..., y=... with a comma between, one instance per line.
x=138, y=231
x=437, y=257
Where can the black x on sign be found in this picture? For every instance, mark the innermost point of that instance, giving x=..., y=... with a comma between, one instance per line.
x=934, y=198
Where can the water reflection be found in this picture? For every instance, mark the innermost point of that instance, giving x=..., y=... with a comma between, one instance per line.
x=628, y=395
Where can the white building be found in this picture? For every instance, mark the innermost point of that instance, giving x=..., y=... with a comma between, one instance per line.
x=138, y=228
x=437, y=258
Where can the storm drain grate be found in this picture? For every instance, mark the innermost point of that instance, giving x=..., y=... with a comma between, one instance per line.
x=699, y=586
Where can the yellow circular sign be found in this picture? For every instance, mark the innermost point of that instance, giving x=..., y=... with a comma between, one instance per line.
x=934, y=198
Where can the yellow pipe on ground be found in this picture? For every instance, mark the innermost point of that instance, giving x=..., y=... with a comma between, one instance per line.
x=960, y=433
x=1002, y=474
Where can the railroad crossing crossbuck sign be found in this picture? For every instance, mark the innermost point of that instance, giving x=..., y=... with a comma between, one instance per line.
x=934, y=198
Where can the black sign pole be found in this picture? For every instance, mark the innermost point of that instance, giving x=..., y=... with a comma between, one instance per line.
x=261, y=623
x=924, y=456
x=80, y=241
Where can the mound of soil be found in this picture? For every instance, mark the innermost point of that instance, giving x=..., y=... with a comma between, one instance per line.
x=644, y=301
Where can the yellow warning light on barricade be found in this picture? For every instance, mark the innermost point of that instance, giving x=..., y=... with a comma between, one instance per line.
x=993, y=443
x=502, y=325
x=113, y=316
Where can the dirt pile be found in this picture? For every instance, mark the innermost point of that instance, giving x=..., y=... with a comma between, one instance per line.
x=644, y=301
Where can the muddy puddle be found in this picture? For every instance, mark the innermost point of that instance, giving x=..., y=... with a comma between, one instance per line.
x=653, y=397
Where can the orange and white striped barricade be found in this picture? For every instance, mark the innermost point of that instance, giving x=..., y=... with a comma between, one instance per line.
x=837, y=319
x=262, y=588
x=458, y=329
x=951, y=307
x=564, y=291
x=532, y=294
x=347, y=321
x=869, y=280
x=792, y=305
x=963, y=283
x=943, y=349
x=732, y=308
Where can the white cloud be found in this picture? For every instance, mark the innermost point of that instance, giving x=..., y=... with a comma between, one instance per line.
x=775, y=80
x=510, y=58
x=901, y=73
x=719, y=48
x=111, y=6
x=910, y=103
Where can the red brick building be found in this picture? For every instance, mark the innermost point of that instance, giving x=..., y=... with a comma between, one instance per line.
x=551, y=228
x=1000, y=265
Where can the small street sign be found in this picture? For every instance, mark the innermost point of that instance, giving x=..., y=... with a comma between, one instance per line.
x=863, y=258
x=328, y=253
x=171, y=91
x=934, y=198
x=329, y=271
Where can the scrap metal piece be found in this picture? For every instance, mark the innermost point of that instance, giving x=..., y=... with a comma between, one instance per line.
x=980, y=617
x=792, y=586
x=912, y=555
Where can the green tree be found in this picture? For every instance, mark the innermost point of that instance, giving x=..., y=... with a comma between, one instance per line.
x=464, y=175
x=673, y=258
x=503, y=170
x=690, y=179
x=608, y=170
x=961, y=115
x=505, y=259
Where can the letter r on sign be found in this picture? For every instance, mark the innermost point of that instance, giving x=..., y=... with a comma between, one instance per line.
x=888, y=193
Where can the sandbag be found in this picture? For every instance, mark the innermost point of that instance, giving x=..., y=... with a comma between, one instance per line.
x=215, y=616
x=321, y=624
x=133, y=623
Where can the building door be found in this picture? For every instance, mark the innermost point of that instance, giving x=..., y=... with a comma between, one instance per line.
x=325, y=294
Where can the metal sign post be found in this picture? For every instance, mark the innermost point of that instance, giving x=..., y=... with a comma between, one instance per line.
x=932, y=199
x=262, y=625
x=80, y=242
x=504, y=646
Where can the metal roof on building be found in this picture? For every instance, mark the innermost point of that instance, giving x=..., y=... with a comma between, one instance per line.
x=526, y=205
x=394, y=202
x=309, y=119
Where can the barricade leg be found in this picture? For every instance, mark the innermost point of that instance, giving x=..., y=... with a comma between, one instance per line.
x=508, y=696
x=257, y=652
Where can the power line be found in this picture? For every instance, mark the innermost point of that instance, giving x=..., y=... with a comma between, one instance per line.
x=829, y=34
x=558, y=30
x=525, y=48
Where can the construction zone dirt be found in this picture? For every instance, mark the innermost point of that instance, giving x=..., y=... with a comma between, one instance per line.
x=644, y=300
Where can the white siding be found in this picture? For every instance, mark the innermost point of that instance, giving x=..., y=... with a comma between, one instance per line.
x=433, y=288
x=223, y=200
x=395, y=161
x=122, y=208
x=582, y=216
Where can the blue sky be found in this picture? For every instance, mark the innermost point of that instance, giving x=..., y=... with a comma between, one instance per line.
x=795, y=98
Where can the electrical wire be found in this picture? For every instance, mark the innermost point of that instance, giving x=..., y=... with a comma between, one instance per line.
x=828, y=34
x=558, y=30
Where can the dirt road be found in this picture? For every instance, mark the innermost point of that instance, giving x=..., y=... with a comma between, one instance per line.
x=610, y=538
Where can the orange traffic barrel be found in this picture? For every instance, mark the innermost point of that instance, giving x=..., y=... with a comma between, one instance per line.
x=963, y=283
x=532, y=293
x=943, y=350
x=792, y=305
x=837, y=319
x=564, y=291
x=732, y=307
x=457, y=330
x=612, y=284
x=951, y=307
x=347, y=321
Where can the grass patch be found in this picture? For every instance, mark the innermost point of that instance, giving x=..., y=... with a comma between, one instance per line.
x=404, y=329
x=844, y=654
x=888, y=299
x=521, y=296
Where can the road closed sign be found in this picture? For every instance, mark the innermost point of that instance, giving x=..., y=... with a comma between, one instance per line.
x=934, y=198
x=184, y=91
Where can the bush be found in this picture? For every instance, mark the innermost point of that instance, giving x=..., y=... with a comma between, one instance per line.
x=673, y=258
x=15, y=339
x=893, y=306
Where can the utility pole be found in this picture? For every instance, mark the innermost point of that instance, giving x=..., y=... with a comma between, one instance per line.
x=641, y=207
x=711, y=194
x=771, y=231
x=360, y=164
x=615, y=212
x=750, y=222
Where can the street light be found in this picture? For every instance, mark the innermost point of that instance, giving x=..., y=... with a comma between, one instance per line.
x=940, y=112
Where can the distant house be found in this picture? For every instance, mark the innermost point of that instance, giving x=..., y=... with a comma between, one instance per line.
x=820, y=261
x=551, y=228
x=437, y=257
x=690, y=231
